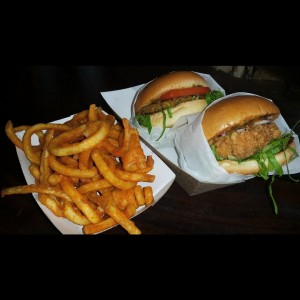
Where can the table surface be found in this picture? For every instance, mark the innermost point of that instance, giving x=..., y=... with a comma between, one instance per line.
x=38, y=94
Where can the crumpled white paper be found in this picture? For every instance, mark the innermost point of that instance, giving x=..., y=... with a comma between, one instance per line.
x=169, y=135
x=197, y=159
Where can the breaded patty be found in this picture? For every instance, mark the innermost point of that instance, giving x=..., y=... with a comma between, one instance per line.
x=245, y=142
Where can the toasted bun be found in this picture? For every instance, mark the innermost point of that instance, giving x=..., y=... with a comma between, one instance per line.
x=236, y=111
x=185, y=108
x=174, y=80
x=251, y=166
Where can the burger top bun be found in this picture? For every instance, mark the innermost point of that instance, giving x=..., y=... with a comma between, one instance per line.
x=165, y=83
x=236, y=111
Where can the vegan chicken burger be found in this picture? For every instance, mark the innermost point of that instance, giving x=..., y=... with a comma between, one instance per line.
x=165, y=99
x=243, y=137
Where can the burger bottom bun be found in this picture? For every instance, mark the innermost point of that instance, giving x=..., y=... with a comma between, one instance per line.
x=185, y=108
x=251, y=166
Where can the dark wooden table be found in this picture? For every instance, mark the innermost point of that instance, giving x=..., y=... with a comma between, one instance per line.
x=42, y=94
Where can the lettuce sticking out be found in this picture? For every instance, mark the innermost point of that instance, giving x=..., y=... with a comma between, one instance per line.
x=212, y=96
x=267, y=161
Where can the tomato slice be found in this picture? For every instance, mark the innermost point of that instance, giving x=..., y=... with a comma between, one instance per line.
x=184, y=92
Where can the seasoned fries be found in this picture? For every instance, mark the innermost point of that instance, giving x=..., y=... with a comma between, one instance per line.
x=87, y=170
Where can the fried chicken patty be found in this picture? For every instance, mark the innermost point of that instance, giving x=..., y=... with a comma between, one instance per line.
x=243, y=143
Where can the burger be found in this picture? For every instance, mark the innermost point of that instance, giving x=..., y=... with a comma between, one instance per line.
x=165, y=99
x=244, y=138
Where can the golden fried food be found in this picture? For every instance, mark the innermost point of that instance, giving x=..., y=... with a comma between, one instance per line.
x=87, y=170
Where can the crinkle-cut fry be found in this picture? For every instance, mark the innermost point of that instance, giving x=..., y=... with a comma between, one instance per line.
x=69, y=161
x=21, y=128
x=92, y=115
x=130, y=209
x=107, y=189
x=64, y=144
x=139, y=195
x=95, y=198
x=35, y=171
x=94, y=186
x=35, y=188
x=11, y=134
x=55, y=179
x=52, y=203
x=45, y=170
x=110, y=119
x=78, y=119
x=132, y=176
x=110, y=160
x=112, y=210
x=100, y=114
x=100, y=227
x=68, y=171
x=131, y=198
x=27, y=146
x=125, y=141
x=108, y=174
x=80, y=200
x=90, y=129
x=148, y=192
x=85, y=161
x=122, y=219
x=81, y=116
x=75, y=215
x=41, y=137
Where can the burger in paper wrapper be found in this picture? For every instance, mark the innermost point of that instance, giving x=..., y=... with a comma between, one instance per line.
x=236, y=138
x=160, y=104
x=244, y=138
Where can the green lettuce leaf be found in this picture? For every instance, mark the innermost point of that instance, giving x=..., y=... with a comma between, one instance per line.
x=213, y=95
x=267, y=154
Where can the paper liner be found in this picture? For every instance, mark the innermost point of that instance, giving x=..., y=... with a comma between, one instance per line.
x=197, y=159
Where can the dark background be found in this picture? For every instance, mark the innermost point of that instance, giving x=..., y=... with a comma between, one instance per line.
x=35, y=94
